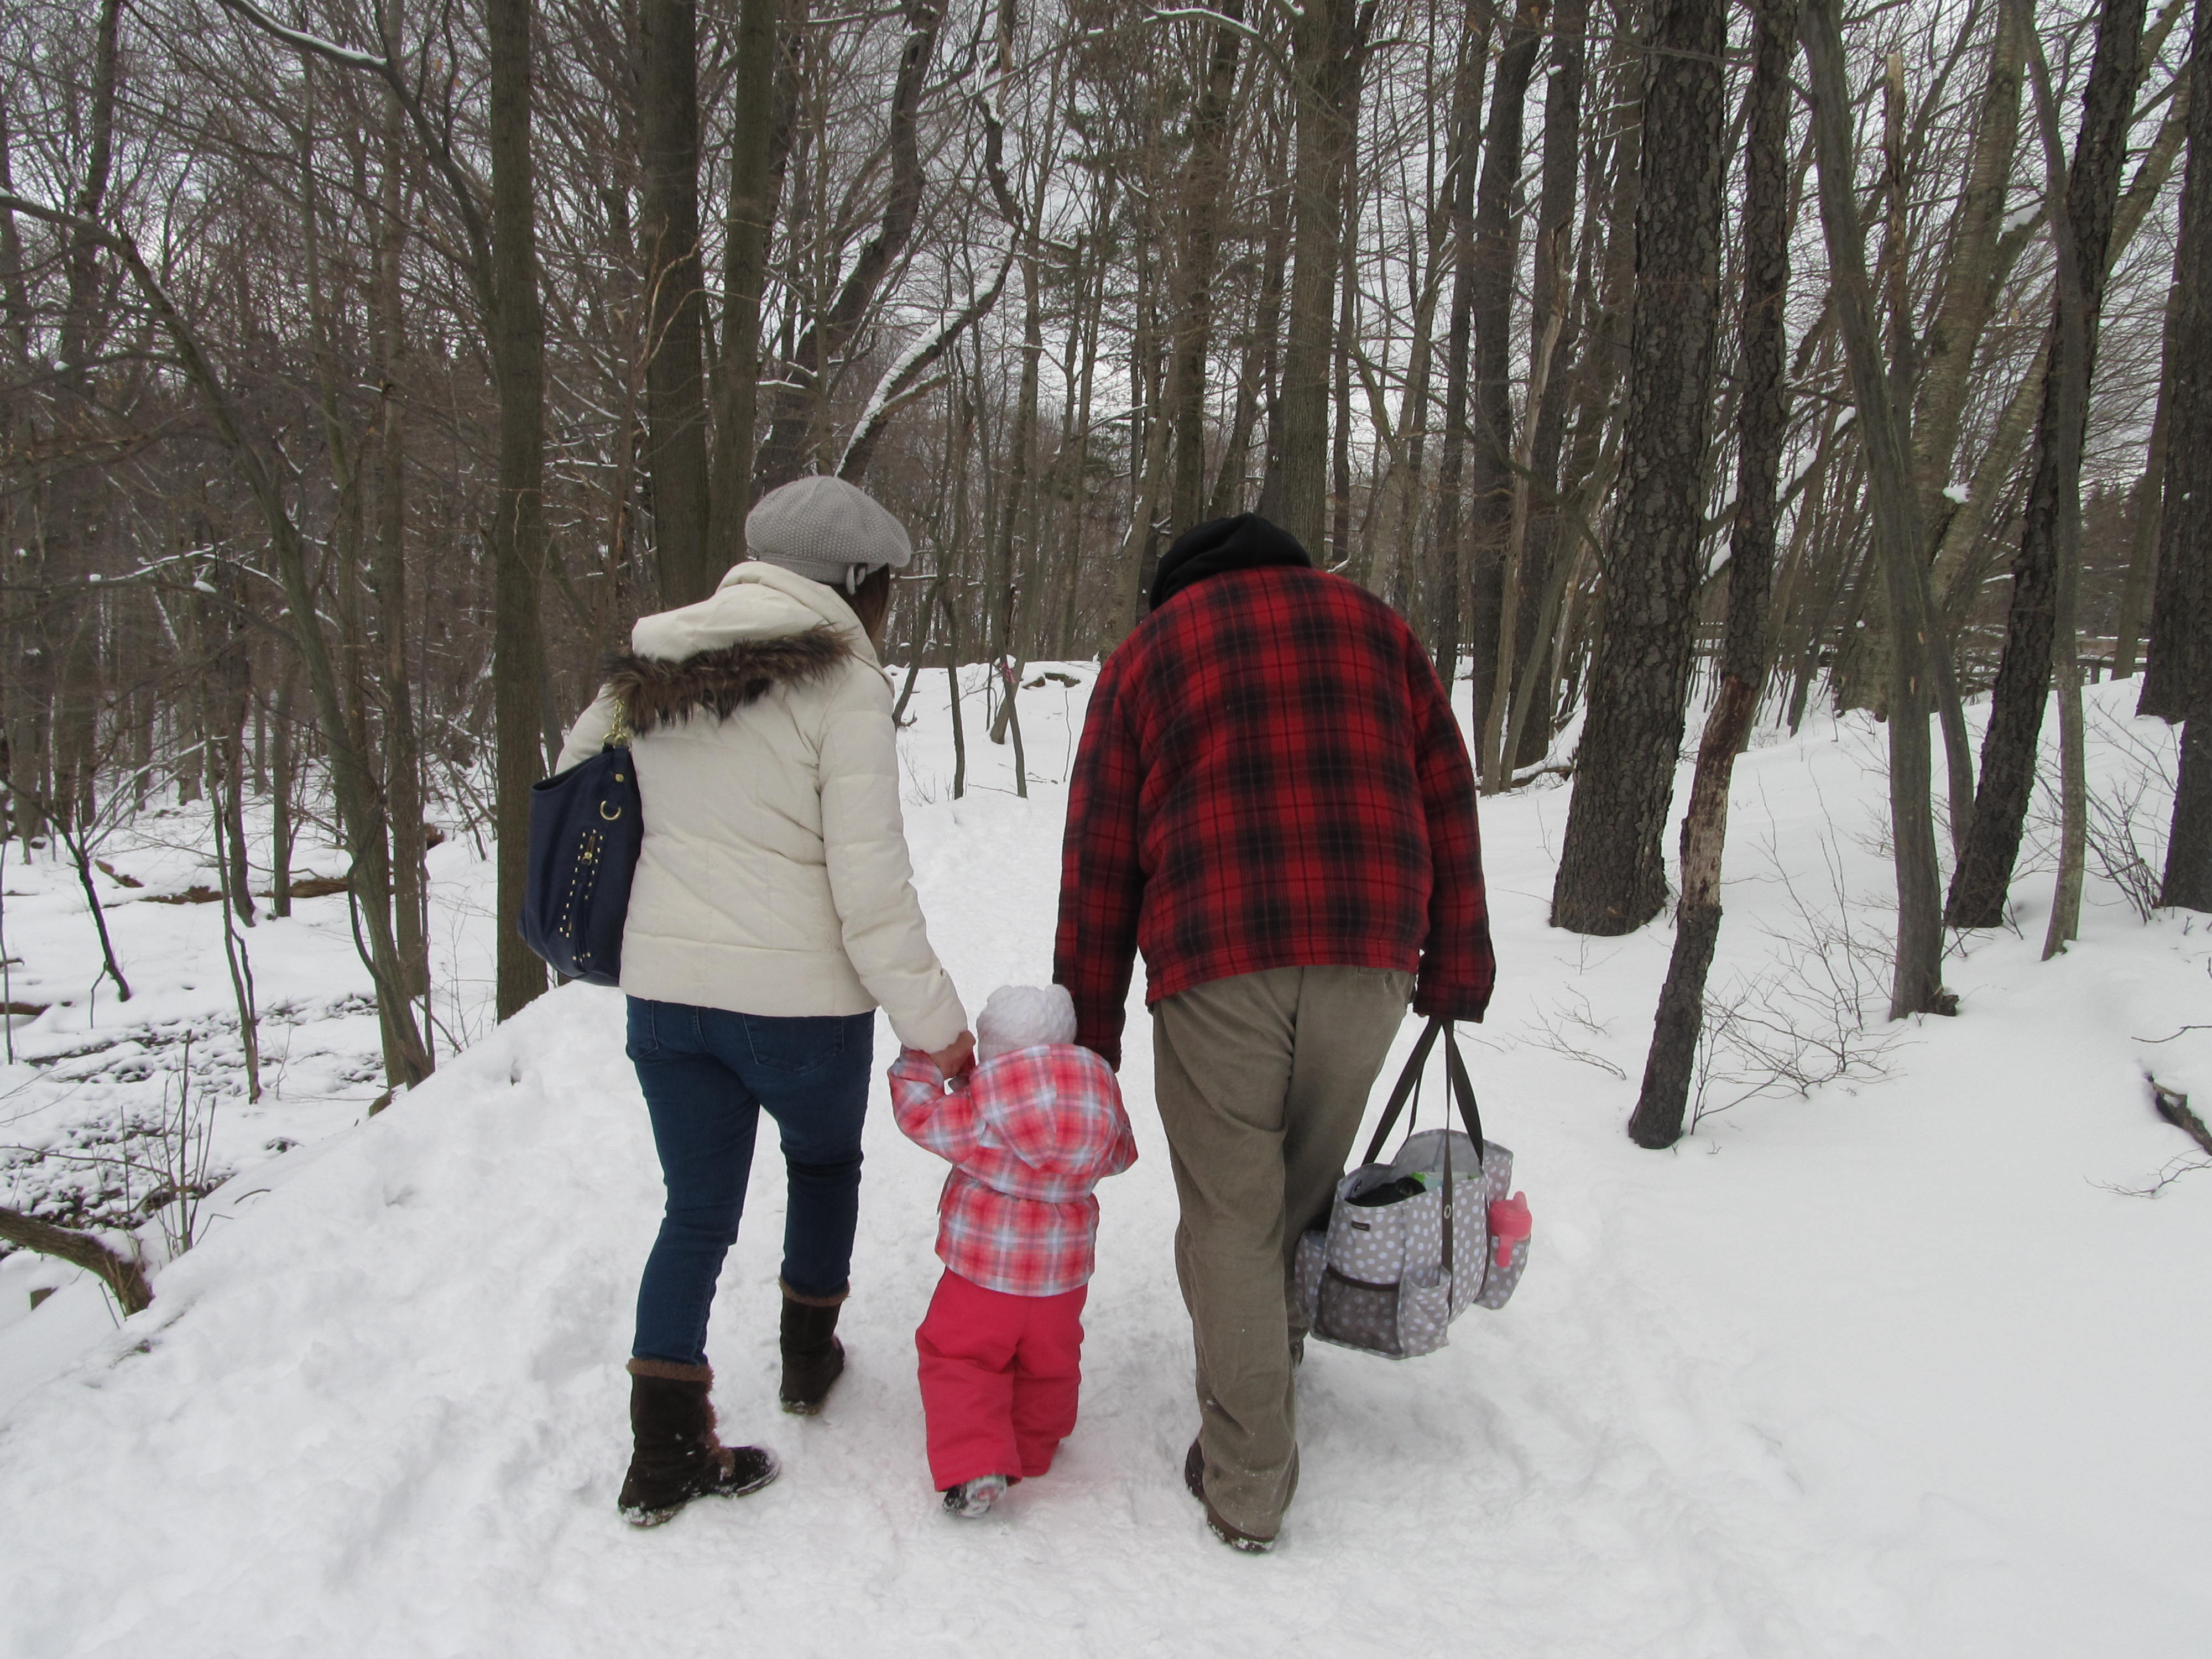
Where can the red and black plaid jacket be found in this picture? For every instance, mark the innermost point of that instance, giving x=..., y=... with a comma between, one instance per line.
x=1269, y=777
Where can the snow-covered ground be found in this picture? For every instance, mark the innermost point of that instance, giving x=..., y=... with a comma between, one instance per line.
x=1898, y=1367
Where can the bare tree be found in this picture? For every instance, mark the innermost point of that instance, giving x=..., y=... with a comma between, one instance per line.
x=1612, y=875
x=1886, y=440
x=2179, y=680
x=1762, y=422
x=2049, y=549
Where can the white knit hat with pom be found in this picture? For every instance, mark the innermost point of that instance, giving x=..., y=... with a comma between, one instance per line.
x=1024, y=1017
x=827, y=530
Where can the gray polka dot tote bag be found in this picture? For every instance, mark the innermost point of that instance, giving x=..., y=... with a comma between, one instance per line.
x=1410, y=1244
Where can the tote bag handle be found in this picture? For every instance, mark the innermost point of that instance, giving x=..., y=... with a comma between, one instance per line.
x=1461, y=1088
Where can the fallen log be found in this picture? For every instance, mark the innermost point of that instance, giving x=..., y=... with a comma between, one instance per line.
x=124, y=1275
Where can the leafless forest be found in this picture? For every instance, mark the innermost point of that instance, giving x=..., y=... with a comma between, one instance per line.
x=366, y=367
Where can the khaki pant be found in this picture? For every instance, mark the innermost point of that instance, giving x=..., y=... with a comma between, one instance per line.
x=1261, y=1081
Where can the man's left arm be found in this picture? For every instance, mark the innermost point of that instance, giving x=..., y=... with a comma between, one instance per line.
x=1457, y=966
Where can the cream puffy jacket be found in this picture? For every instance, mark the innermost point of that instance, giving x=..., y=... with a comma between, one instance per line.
x=774, y=877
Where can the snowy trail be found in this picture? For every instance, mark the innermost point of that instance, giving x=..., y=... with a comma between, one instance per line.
x=1885, y=1372
x=397, y=1435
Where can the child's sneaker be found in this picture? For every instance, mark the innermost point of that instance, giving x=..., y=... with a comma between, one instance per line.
x=973, y=1498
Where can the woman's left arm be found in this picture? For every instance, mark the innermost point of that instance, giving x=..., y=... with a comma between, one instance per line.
x=590, y=732
x=870, y=878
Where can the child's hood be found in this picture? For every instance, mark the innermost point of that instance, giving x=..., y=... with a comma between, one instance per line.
x=1056, y=1107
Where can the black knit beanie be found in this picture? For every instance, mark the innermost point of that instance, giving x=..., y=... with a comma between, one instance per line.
x=1246, y=542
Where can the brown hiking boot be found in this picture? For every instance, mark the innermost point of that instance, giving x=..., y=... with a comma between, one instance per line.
x=813, y=1358
x=1194, y=1478
x=676, y=1456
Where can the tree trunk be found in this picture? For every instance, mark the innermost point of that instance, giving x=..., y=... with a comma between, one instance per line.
x=281, y=788
x=1550, y=316
x=1886, y=443
x=1762, y=421
x=518, y=353
x=1256, y=383
x=1394, y=513
x=793, y=437
x=1444, y=599
x=2149, y=504
x=403, y=762
x=1957, y=573
x=1612, y=875
x=2051, y=534
x=757, y=151
x=676, y=298
x=1323, y=36
x=1971, y=279
x=2181, y=634
x=1495, y=265
x=1204, y=175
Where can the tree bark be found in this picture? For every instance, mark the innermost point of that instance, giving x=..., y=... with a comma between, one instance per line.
x=1261, y=364
x=792, y=437
x=2149, y=504
x=1204, y=175
x=1612, y=875
x=1446, y=581
x=518, y=539
x=123, y=1276
x=2181, y=631
x=1394, y=515
x=1762, y=422
x=403, y=764
x=757, y=151
x=1886, y=441
x=2051, y=534
x=676, y=297
x=1324, y=36
x=1496, y=263
x=1948, y=355
x=1550, y=316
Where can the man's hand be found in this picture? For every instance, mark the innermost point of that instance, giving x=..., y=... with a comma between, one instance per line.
x=955, y=1057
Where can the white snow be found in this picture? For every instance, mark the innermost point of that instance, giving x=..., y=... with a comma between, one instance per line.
x=1888, y=1370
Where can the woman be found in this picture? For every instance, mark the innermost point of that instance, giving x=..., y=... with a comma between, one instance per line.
x=773, y=911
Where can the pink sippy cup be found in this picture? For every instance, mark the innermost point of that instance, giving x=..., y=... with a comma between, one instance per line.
x=1509, y=1223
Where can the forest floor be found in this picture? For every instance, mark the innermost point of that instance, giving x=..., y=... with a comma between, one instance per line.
x=1889, y=1357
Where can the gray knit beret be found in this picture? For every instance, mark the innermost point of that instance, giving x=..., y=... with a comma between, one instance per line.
x=827, y=530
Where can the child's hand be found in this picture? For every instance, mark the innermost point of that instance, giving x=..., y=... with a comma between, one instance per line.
x=957, y=1057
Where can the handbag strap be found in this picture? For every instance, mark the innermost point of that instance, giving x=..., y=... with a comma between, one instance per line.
x=1450, y=1229
x=1408, y=1079
x=617, y=734
x=1461, y=1089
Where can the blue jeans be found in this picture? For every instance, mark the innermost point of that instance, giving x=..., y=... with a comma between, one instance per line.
x=706, y=1073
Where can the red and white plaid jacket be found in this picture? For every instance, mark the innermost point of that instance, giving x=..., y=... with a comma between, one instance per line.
x=1029, y=1133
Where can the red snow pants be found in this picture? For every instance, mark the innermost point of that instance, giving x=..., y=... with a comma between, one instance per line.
x=999, y=1376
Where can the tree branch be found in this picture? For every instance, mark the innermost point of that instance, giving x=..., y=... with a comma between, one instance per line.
x=124, y=1275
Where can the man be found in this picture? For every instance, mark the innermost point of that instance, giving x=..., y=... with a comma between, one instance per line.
x=1272, y=801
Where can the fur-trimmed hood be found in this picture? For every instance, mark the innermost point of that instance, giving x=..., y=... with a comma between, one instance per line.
x=654, y=693
x=762, y=628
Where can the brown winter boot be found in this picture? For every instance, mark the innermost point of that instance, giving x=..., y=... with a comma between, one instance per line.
x=1194, y=1479
x=676, y=1458
x=813, y=1358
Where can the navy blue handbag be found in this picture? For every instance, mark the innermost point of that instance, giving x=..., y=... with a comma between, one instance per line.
x=585, y=828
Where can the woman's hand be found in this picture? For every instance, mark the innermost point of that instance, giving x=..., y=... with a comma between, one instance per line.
x=956, y=1057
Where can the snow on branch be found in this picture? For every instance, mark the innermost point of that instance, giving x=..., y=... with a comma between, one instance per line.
x=901, y=385
x=307, y=42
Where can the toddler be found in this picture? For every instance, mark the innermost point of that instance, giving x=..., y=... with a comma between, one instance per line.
x=1030, y=1130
